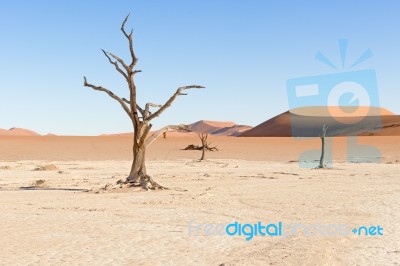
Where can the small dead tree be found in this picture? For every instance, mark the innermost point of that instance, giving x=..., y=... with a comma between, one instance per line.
x=322, y=136
x=205, y=146
x=203, y=137
x=140, y=117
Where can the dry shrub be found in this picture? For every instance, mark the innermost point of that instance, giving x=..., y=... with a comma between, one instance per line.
x=48, y=167
x=40, y=183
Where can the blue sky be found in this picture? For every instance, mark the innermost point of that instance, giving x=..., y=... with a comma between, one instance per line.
x=242, y=51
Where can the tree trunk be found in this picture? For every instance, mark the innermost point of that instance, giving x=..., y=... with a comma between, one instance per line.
x=203, y=154
x=321, y=160
x=138, y=175
x=138, y=168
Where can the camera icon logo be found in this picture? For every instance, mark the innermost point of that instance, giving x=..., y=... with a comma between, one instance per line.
x=347, y=102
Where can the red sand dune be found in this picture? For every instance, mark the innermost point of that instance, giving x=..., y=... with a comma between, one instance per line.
x=209, y=126
x=232, y=131
x=17, y=132
x=203, y=126
x=309, y=121
x=218, y=128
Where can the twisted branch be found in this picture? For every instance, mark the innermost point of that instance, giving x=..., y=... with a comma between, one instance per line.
x=129, y=37
x=141, y=110
x=116, y=65
x=120, y=61
x=147, y=112
x=110, y=93
x=165, y=129
x=178, y=92
x=148, y=105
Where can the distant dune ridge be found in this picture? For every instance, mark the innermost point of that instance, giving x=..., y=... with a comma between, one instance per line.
x=218, y=128
x=308, y=121
x=210, y=127
x=18, y=132
x=342, y=121
x=205, y=126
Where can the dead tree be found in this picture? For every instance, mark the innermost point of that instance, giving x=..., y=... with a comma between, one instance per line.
x=204, y=145
x=193, y=147
x=322, y=136
x=140, y=117
x=203, y=137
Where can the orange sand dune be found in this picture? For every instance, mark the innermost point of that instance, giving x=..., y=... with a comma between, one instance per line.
x=210, y=125
x=204, y=126
x=232, y=131
x=309, y=121
x=17, y=132
x=218, y=128
x=341, y=111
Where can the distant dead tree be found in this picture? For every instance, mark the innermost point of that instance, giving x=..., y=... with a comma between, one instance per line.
x=140, y=117
x=322, y=136
x=205, y=146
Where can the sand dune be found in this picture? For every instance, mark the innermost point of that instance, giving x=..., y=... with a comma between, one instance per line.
x=17, y=132
x=341, y=111
x=307, y=122
x=209, y=126
x=218, y=128
x=231, y=131
x=203, y=126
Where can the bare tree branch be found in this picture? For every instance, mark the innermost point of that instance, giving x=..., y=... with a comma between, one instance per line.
x=172, y=99
x=116, y=65
x=144, y=136
x=119, y=61
x=129, y=37
x=110, y=93
x=141, y=110
x=147, y=112
x=123, y=25
x=148, y=105
x=131, y=74
x=165, y=129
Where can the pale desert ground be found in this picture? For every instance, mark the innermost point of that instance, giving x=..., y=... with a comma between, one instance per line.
x=248, y=180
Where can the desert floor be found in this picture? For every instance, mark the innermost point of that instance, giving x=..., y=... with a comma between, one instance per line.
x=248, y=180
